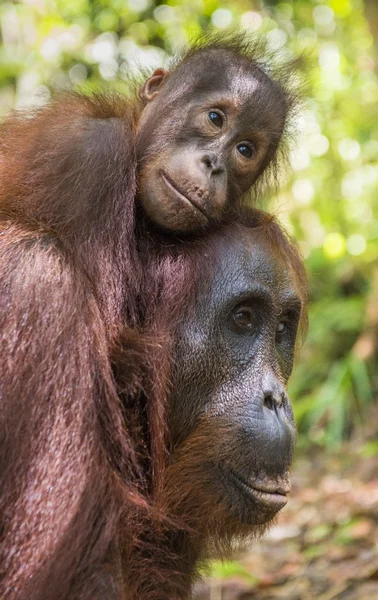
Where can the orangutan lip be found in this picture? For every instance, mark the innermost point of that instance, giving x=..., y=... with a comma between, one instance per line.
x=270, y=494
x=169, y=183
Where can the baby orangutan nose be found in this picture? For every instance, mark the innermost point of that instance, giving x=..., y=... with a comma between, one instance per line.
x=213, y=164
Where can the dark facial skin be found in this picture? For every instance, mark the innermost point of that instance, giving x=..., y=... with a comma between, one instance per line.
x=206, y=133
x=230, y=404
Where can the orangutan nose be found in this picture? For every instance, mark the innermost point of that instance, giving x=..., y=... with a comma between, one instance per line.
x=212, y=162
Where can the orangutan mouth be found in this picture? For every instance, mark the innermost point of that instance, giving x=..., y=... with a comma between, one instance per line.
x=271, y=494
x=180, y=196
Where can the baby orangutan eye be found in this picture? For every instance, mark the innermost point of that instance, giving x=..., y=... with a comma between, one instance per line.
x=216, y=119
x=246, y=150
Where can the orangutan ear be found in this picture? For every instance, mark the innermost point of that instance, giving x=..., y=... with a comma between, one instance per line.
x=151, y=88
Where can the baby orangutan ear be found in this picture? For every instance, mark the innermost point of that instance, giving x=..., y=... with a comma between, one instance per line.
x=151, y=88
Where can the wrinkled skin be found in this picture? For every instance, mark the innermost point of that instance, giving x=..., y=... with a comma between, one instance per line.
x=206, y=134
x=234, y=357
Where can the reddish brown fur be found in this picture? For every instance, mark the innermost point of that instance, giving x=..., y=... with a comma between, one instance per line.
x=89, y=303
x=189, y=524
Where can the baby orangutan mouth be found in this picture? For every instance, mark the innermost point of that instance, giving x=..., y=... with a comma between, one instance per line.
x=183, y=199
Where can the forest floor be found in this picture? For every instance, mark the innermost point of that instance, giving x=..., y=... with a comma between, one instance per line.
x=325, y=543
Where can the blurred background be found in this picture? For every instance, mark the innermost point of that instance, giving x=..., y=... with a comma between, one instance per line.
x=328, y=537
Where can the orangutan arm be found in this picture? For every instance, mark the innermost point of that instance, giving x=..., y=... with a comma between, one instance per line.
x=58, y=404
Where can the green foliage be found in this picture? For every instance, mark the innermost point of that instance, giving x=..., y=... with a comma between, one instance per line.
x=228, y=569
x=369, y=449
x=329, y=202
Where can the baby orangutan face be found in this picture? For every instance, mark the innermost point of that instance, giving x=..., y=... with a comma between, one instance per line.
x=206, y=134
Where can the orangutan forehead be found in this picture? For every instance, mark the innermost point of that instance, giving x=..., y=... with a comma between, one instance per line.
x=229, y=82
x=208, y=71
x=249, y=259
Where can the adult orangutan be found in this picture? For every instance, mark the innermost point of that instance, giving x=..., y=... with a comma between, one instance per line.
x=234, y=323
x=90, y=301
x=94, y=502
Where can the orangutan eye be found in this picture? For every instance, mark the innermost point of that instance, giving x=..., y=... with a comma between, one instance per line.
x=216, y=119
x=245, y=318
x=281, y=329
x=246, y=150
